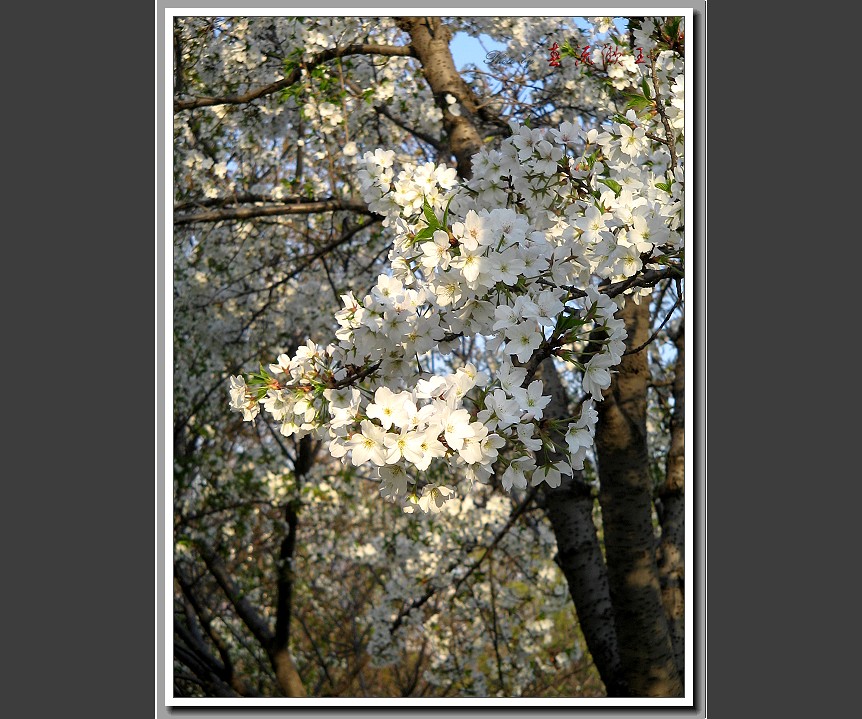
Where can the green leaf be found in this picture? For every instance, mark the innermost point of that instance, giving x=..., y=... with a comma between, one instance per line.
x=429, y=215
x=446, y=212
x=637, y=101
x=424, y=234
x=568, y=322
x=613, y=184
x=645, y=86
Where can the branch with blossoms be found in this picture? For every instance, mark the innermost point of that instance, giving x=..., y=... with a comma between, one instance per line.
x=294, y=67
x=529, y=256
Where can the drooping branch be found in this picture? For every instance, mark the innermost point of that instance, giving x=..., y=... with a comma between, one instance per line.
x=383, y=110
x=658, y=329
x=436, y=143
x=295, y=75
x=513, y=516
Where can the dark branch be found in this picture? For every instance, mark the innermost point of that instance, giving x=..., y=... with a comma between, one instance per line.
x=659, y=329
x=290, y=207
x=256, y=623
x=295, y=75
x=659, y=103
x=236, y=199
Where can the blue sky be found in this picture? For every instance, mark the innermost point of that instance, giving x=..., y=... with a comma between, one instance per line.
x=467, y=49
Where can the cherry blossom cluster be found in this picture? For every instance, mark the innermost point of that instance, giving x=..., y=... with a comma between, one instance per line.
x=508, y=258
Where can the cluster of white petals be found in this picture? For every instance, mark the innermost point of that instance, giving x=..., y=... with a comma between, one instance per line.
x=514, y=259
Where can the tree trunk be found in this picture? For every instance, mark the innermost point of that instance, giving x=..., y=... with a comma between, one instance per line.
x=671, y=551
x=430, y=38
x=286, y=674
x=569, y=508
x=646, y=652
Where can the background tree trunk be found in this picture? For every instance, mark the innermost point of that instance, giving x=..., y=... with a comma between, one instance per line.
x=569, y=507
x=671, y=506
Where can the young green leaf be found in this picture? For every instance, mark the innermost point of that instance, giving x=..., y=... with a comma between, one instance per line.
x=446, y=213
x=425, y=233
x=613, y=184
x=645, y=86
x=637, y=101
x=429, y=215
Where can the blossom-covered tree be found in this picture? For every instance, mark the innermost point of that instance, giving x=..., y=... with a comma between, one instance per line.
x=461, y=291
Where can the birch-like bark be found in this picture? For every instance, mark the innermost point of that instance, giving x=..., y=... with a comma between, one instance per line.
x=647, y=658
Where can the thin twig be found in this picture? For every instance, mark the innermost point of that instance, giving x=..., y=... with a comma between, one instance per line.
x=671, y=143
x=660, y=327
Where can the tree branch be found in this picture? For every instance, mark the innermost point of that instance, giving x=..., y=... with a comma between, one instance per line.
x=659, y=104
x=295, y=75
x=429, y=37
x=418, y=602
x=569, y=507
x=256, y=624
x=659, y=329
x=295, y=206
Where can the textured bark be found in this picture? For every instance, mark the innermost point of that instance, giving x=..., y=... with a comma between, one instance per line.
x=429, y=40
x=646, y=654
x=285, y=671
x=279, y=649
x=284, y=601
x=671, y=505
x=286, y=674
x=570, y=509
